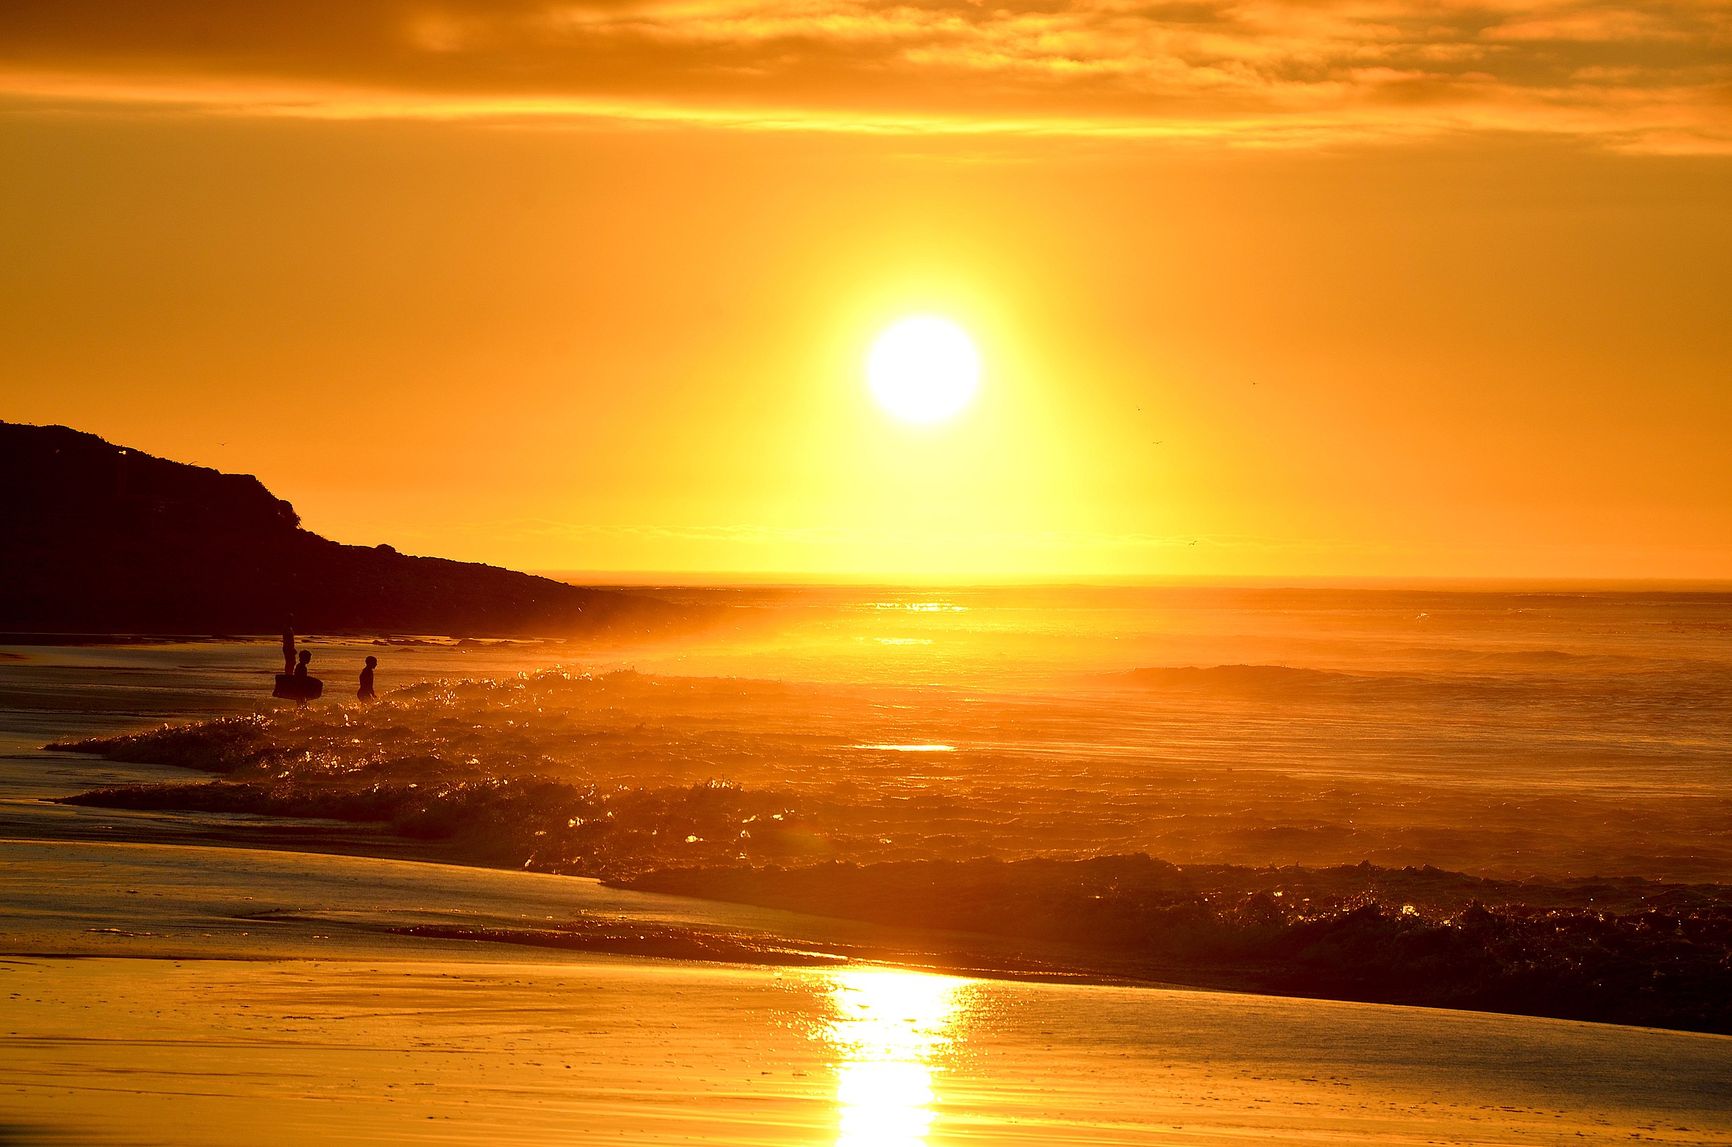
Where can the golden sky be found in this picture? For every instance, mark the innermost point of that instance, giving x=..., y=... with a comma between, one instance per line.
x=1381, y=288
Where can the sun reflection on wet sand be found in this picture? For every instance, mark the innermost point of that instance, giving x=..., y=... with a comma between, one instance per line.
x=888, y=1028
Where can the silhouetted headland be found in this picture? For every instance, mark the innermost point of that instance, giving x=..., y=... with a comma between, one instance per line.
x=98, y=538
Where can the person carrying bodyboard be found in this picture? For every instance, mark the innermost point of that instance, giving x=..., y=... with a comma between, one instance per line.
x=299, y=686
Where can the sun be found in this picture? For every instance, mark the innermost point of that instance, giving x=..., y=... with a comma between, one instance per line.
x=923, y=369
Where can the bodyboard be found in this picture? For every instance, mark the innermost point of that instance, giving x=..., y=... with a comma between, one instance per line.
x=292, y=688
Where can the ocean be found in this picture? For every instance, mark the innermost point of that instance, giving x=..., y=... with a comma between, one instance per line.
x=1515, y=733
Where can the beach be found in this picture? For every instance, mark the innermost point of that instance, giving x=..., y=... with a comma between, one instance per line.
x=826, y=573
x=178, y=975
x=460, y=1050
x=171, y=994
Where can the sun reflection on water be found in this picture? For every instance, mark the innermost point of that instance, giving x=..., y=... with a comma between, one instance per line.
x=888, y=1028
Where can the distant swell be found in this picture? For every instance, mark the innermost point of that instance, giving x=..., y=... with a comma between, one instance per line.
x=1517, y=678
x=1242, y=678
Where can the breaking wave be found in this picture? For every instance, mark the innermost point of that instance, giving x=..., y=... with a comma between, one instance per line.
x=1624, y=952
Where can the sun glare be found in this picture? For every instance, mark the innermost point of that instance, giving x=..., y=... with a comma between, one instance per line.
x=889, y=1028
x=923, y=369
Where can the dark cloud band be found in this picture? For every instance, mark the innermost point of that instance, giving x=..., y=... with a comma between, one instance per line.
x=1654, y=75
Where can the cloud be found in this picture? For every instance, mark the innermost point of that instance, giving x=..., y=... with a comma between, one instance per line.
x=1633, y=74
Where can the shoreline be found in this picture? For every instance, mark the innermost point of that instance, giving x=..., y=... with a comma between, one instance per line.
x=249, y=986
x=1024, y=955
x=184, y=980
x=993, y=942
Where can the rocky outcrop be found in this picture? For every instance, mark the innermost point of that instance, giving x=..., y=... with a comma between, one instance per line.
x=98, y=538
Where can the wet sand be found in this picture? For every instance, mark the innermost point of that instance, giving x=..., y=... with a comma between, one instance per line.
x=181, y=994
x=606, y=1050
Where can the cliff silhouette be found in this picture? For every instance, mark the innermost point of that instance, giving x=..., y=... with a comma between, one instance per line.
x=98, y=538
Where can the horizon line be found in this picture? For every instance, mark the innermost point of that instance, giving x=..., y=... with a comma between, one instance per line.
x=755, y=579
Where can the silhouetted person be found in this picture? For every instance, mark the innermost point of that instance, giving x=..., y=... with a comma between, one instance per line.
x=300, y=686
x=365, y=692
x=289, y=647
